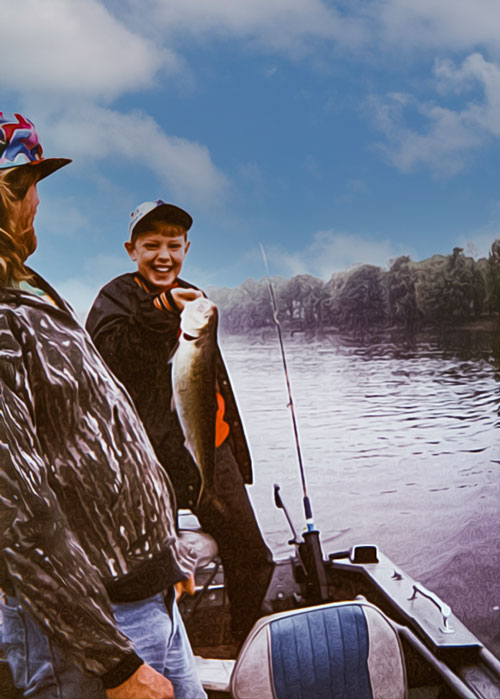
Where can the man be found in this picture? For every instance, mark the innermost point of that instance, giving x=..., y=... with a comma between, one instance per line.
x=89, y=554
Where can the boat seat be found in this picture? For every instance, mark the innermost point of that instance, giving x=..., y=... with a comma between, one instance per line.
x=200, y=545
x=346, y=650
x=203, y=548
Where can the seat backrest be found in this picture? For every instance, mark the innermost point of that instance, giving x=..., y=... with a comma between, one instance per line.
x=346, y=650
x=199, y=545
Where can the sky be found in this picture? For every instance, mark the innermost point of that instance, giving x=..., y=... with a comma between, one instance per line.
x=334, y=132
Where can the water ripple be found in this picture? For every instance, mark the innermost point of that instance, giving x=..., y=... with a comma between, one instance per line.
x=400, y=447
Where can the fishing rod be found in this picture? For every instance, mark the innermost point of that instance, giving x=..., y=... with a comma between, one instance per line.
x=310, y=551
x=306, y=501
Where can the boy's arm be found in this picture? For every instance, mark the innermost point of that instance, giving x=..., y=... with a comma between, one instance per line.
x=127, y=326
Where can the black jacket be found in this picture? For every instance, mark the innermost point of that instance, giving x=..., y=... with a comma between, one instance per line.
x=136, y=340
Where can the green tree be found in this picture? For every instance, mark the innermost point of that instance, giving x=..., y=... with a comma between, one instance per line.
x=450, y=289
x=361, y=302
x=303, y=297
x=401, y=294
x=492, y=278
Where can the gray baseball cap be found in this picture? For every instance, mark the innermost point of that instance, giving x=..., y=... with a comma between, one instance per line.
x=150, y=211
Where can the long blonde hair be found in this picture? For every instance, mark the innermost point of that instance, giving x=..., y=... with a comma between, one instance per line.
x=14, y=249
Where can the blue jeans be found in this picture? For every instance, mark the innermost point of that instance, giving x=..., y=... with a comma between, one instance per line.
x=44, y=672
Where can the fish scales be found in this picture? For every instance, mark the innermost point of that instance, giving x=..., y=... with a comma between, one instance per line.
x=194, y=386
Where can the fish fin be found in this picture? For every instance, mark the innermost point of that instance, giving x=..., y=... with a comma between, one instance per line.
x=191, y=452
x=221, y=426
x=174, y=350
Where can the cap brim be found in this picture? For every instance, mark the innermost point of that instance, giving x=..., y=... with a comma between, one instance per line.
x=39, y=168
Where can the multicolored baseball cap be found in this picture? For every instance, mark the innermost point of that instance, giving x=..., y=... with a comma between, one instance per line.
x=150, y=211
x=20, y=147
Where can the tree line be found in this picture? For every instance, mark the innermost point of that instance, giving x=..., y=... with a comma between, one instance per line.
x=447, y=290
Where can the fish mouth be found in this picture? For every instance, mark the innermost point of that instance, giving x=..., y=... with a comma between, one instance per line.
x=198, y=317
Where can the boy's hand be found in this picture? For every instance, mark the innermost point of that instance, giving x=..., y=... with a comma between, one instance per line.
x=145, y=683
x=184, y=296
x=187, y=585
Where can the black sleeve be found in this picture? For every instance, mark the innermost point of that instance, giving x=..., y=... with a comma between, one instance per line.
x=134, y=336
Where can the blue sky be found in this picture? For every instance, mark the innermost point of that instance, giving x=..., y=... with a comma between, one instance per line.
x=334, y=132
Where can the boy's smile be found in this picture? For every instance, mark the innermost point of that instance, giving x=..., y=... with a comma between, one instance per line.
x=159, y=255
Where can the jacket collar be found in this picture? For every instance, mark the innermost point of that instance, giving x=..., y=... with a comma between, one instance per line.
x=11, y=294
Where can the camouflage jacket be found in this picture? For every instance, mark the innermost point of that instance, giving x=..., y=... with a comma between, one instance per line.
x=86, y=513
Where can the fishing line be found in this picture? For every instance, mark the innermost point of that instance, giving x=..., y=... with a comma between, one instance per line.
x=306, y=501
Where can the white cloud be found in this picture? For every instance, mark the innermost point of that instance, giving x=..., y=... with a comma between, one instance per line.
x=78, y=55
x=475, y=70
x=184, y=166
x=478, y=244
x=278, y=25
x=104, y=49
x=446, y=135
x=442, y=25
x=295, y=26
x=76, y=48
x=441, y=144
x=71, y=57
x=74, y=56
x=330, y=252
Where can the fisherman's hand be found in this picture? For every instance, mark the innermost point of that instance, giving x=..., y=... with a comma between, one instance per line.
x=187, y=585
x=183, y=296
x=145, y=683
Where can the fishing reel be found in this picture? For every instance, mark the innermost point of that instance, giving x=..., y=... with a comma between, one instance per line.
x=310, y=569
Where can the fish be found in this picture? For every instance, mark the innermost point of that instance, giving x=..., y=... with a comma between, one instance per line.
x=194, y=388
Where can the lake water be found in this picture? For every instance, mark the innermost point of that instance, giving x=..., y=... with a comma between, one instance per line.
x=400, y=440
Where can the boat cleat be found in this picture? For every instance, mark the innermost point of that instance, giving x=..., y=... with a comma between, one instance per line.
x=443, y=608
x=422, y=609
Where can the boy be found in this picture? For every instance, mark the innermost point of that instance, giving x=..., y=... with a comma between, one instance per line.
x=135, y=323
